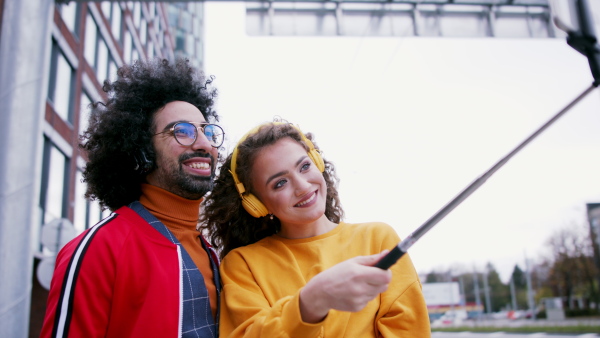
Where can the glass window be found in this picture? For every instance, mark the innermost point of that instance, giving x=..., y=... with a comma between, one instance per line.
x=53, y=189
x=157, y=23
x=91, y=33
x=150, y=50
x=179, y=40
x=68, y=12
x=161, y=40
x=116, y=21
x=87, y=213
x=105, y=5
x=173, y=14
x=84, y=112
x=64, y=88
x=102, y=61
x=61, y=84
x=112, y=70
x=186, y=21
x=95, y=213
x=197, y=26
x=127, y=47
x=143, y=32
x=189, y=45
x=151, y=9
x=137, y=13
x=199, y=51
x=80, y=210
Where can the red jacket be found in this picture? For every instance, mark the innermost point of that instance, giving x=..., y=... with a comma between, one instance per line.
x=128, y=286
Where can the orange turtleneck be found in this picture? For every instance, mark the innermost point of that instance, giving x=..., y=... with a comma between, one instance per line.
x=180, y=215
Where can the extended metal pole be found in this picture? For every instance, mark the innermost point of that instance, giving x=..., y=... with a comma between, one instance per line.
x=584, y=41
x=398, y=251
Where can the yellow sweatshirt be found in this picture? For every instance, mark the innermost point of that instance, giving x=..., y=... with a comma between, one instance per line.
x=262, y=282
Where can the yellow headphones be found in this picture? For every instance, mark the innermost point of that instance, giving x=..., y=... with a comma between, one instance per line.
x=250, y=202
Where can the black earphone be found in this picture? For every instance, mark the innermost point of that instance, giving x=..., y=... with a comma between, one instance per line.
x=142, y=164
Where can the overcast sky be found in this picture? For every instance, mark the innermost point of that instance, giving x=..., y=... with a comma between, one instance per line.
x=410, y=122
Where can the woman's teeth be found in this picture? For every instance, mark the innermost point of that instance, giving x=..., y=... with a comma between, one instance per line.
x=307, y=201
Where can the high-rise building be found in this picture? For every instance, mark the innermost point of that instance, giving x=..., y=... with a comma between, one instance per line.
x=79, y=45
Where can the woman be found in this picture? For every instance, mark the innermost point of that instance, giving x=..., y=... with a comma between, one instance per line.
x=291, y=267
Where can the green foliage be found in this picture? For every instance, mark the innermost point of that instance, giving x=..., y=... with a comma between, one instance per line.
x=581, y=313
x=437, y=277
x=519, y=278
x=569, y=272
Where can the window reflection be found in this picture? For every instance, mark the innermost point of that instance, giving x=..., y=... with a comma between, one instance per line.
x=53, y=185
x=86, y=213
x=91, y=33
x=84, y=112
x=112, y=70
x=68, y=13
x=105, y=6
x=150, y=53
x=127, y=47
x=81, y=204
x=116, y=21
x=61, y=84
x=136, y=14
x=64, y=85
x=143, y=31
x=95, y=213
x=102, y=61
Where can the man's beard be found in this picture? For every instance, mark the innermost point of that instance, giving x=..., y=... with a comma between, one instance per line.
x=193, y=187
x=187, y=185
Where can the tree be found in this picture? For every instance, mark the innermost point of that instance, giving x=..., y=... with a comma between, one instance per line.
x=437, y=277
x=520, y=283
x=572, y=271
x=499, y=292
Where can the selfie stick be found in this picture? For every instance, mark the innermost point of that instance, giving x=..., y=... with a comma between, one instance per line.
x=584, y=41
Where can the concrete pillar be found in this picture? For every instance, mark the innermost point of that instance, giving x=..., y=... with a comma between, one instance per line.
x=24, y=51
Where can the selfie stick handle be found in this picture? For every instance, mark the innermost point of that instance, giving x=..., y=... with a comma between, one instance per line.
x=398, y=251
x=584, y=39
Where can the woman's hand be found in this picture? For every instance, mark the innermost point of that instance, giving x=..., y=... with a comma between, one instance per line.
x=347, y=286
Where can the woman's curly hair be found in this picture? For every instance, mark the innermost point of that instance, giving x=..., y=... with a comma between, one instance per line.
x=227, y=223
x=122, y=128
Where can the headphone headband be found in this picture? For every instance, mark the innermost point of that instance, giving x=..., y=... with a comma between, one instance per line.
x=250, y=202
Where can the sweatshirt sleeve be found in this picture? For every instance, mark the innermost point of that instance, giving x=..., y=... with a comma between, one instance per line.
x=403, y=312
x=245, y=311
x=406, y=315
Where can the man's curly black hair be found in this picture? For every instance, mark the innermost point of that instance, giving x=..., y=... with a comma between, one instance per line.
x=122, y=127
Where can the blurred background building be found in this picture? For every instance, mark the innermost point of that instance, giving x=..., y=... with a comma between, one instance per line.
x=55, y=55
x=55, y=58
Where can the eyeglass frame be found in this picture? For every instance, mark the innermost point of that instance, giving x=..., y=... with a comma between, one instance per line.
x=197, y=125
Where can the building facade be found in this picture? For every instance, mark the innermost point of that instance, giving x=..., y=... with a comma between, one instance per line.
x=84, y=44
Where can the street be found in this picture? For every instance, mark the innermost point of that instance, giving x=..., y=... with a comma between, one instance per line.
x=467, y=334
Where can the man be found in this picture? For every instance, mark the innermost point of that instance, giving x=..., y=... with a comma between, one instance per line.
x=145, y=270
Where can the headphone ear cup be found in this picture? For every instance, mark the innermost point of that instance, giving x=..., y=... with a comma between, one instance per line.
x=254, y=206
x=316, y=157
x=142, y=164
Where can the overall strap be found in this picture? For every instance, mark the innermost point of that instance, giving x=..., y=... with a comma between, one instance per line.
x=196, y=318
x=214, y=264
